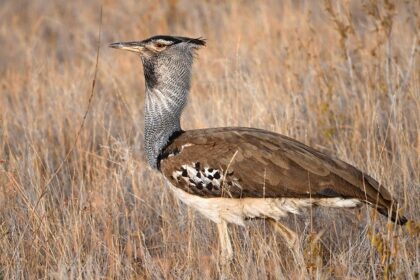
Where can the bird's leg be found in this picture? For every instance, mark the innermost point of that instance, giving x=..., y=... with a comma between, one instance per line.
x=226, y=253
x=289, y=235
x=291, y=239
x=225, y=244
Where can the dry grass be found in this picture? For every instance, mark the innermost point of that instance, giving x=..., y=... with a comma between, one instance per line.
x=342, y=77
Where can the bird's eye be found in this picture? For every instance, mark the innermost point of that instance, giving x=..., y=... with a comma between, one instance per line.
x=160, y=45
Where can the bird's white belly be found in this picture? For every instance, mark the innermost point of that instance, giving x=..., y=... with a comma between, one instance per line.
x=236, y=210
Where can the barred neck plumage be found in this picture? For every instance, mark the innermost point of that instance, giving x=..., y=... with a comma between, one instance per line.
x=167, y=86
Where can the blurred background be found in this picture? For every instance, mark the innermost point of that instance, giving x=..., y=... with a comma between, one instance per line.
x=77, y=198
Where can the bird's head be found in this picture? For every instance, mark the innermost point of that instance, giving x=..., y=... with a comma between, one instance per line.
x=161, y=45
x=163, y=56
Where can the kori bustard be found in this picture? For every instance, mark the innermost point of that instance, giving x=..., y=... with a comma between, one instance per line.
x=230, y=174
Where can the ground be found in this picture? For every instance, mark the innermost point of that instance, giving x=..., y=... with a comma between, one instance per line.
x=77, y=197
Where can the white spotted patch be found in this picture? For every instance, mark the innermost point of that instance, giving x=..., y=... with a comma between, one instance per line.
x=197, y=176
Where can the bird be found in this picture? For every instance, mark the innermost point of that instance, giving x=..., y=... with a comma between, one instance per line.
x=232, y=174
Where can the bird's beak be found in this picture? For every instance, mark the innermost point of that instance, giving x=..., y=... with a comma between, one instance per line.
x=137, y=47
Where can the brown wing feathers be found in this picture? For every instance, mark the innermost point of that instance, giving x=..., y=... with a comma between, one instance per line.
x=256, y=163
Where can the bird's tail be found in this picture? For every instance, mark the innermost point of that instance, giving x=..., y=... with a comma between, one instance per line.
x=383, y=201
x=393, y=215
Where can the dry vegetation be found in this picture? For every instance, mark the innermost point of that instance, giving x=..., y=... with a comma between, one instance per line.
x=342, y=77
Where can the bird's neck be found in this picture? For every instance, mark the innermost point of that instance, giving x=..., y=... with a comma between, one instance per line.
x=166, y=97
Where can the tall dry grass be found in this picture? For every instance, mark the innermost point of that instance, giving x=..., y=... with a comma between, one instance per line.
x=343, y=77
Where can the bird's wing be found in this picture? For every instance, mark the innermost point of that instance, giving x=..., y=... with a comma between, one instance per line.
x=246, y=162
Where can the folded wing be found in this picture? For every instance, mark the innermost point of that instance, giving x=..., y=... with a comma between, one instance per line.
x=247, y=162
